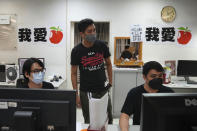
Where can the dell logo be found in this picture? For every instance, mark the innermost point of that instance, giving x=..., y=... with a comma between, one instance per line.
x=190, y=102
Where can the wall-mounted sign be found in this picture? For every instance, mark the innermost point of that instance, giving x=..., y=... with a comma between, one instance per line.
x=4, y=19
x=8, y=35
x=177, y=35
x=174, y=35
x=40, y=34
x=136, y=33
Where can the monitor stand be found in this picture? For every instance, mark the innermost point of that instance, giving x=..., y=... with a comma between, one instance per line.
x=189, y=81
x=24, y=121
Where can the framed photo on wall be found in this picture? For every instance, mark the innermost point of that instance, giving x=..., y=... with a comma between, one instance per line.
x=127, y=53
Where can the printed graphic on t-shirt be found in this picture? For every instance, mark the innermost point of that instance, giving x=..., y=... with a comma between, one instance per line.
x=93, y=61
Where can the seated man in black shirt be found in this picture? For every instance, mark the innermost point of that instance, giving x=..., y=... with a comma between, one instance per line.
x=126, y=55
x=153, y=76
x=33, y=72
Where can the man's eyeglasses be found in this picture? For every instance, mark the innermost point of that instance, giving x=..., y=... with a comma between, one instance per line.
x=157, y=75
x=38, y=70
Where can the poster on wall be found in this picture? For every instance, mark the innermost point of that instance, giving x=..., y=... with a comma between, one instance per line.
x=52, y=35
x=172, y=65
x=136, y=33
x=4, y=19
x=173, y=35
x=8, y=28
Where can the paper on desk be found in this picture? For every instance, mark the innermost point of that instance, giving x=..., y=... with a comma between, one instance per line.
x=98, y=112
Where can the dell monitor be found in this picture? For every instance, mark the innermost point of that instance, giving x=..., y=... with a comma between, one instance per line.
x=169, y=112
x=186, y=69
x=24, y=109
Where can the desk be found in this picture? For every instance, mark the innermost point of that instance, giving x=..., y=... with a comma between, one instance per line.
x=57, y=84
x=182, y=87
x=5, y=84
x=109, y=128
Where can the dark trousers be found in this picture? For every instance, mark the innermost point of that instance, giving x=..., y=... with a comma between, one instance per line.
x=85, y=105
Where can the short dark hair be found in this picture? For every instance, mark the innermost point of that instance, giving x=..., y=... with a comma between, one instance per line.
x=127, y=47
x=83, y=24
x=152, y=65
x=28, y=64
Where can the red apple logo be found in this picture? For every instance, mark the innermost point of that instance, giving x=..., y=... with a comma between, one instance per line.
x=184, y=35
x=56, y=35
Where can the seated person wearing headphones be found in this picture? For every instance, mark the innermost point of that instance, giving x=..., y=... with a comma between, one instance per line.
x=33, y=72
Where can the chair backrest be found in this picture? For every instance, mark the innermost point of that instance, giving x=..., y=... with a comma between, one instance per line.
x=20, y=83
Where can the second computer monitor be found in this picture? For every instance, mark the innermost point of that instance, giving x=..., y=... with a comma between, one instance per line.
x=187, y=68
x=169, y=112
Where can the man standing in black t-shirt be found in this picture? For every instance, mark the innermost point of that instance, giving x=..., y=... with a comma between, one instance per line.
x=153, y=76
x=89, y=56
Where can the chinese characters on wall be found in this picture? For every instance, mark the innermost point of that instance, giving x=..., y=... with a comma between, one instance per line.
x=160, y=35
x=167, y=34
x=53, y=35
x=24, y=34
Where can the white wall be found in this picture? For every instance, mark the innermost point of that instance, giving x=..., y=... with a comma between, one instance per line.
x=122, y=13
x=38, y=12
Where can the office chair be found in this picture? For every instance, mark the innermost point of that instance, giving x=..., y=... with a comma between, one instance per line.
x=20, y=83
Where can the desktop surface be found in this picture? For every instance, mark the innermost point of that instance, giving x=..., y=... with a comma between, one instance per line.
x=180, y=84
x=110, y=127
x=182, y=87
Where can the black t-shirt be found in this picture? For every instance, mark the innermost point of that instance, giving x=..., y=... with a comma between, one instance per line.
x=126, y=54
x=91, y=65
x=45, y=85
x=132, y=104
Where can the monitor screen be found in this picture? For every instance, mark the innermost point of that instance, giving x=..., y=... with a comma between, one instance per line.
x=169, y=112
x=187, y=68
x=24, y=109
x=21, y=62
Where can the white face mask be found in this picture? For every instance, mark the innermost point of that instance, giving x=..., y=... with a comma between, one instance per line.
x=90, y=38
x=38, y=77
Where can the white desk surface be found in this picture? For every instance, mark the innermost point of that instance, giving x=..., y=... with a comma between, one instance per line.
x=181, y=84
x=81, y=126
x=7, y=84
x=56, y=84
x=127, y=69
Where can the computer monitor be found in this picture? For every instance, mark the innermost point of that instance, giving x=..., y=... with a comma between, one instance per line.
x=169, y=112
x=21, y=62
x=24, y=109
x=187, y=68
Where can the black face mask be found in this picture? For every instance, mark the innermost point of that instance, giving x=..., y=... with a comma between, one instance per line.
x=156, y=83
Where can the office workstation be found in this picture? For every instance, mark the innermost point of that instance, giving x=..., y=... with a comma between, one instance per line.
x=186, y=81
x=145, y=30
